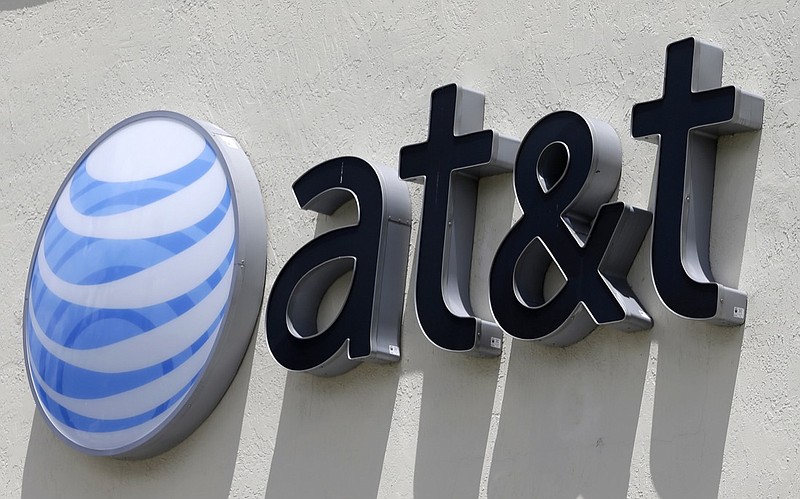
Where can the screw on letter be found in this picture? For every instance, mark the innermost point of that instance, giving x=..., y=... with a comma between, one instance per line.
x=567, y=167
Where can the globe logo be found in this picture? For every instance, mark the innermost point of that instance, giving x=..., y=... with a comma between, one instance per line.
x=131, y=292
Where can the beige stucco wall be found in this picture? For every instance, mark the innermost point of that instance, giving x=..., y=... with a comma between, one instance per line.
x=683, y=410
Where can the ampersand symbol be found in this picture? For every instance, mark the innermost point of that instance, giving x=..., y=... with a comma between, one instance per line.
x=567, y=167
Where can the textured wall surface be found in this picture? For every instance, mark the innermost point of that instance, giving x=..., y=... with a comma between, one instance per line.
x=682, y=410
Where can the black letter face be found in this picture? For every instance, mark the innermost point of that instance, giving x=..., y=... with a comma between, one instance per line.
x=375, y=249
x=458, y=152
x=686, y=123
x=567, y=167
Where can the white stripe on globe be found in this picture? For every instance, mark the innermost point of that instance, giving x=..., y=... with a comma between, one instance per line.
x=137, y=352
x=170, y=145
x=138, y=400
x=154, y=285
x=203, y=196
x=109, y=440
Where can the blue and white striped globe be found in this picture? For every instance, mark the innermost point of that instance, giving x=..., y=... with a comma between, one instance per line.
x=130, y=283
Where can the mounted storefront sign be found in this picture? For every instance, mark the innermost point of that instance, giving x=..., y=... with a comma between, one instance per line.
x=145, y=285
x=148, y=274
x=566, y=171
